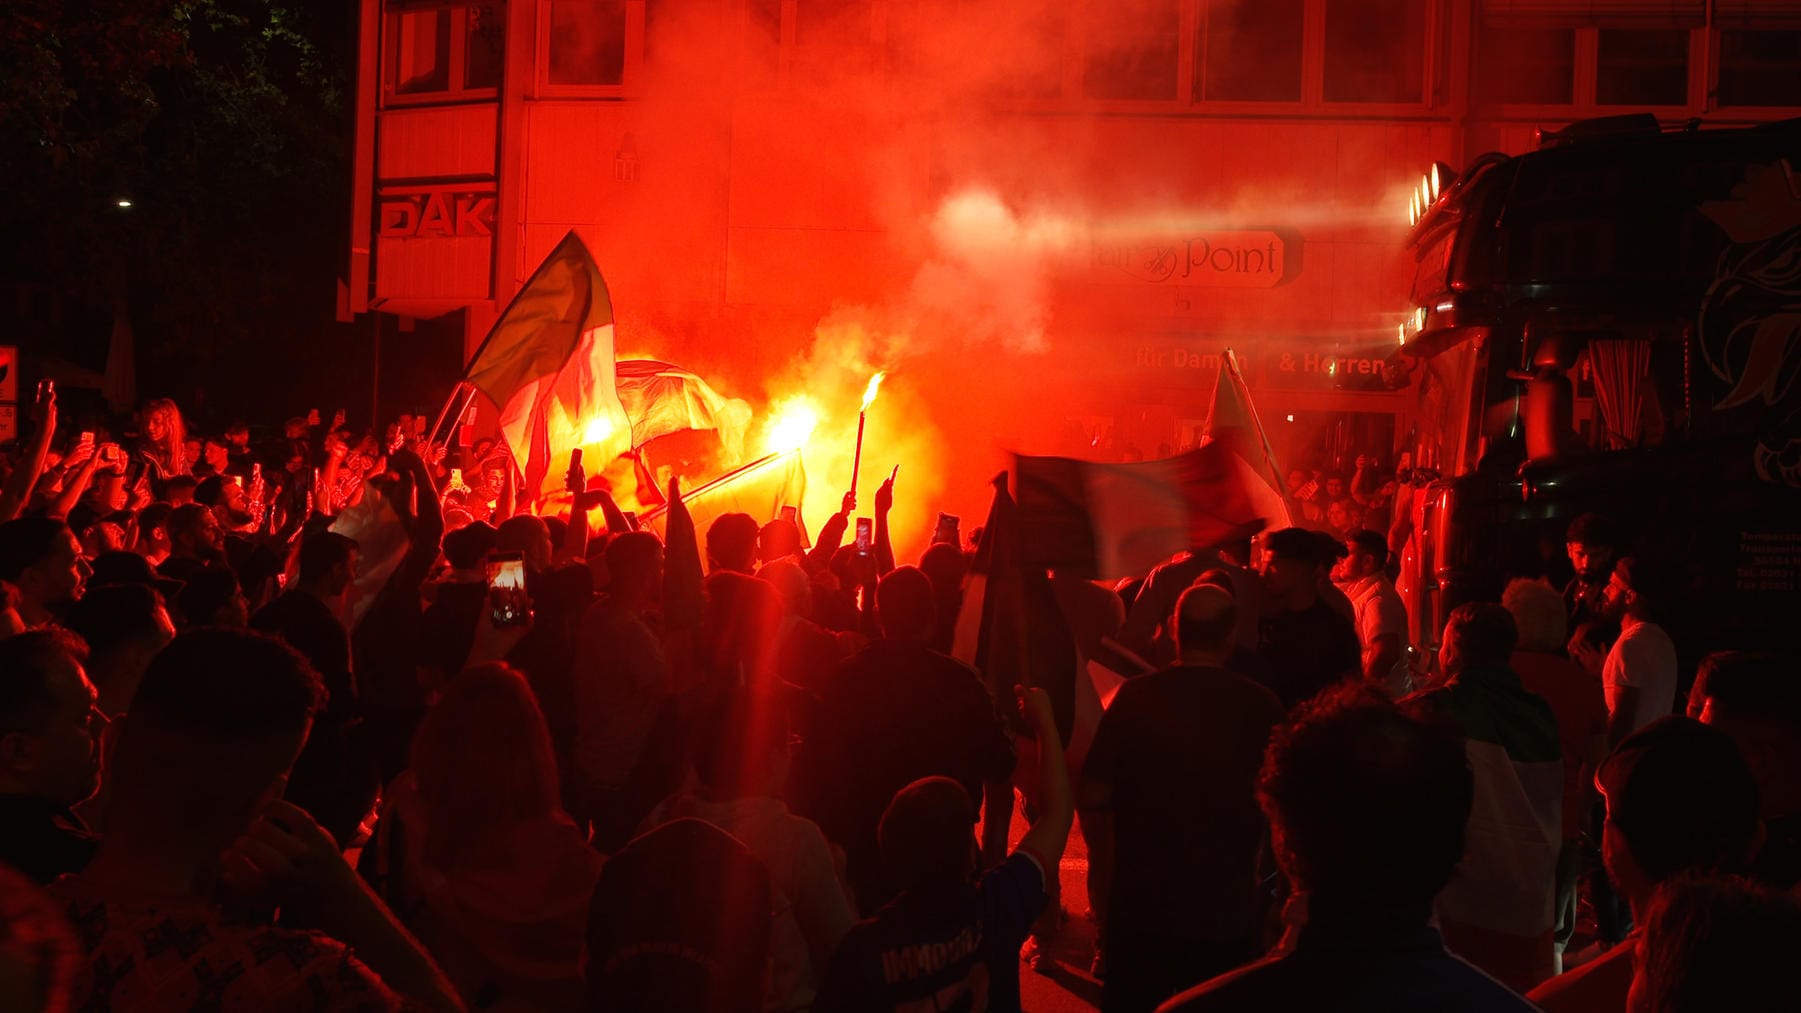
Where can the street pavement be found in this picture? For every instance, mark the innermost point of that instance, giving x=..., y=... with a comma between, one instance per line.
x=1069, y=988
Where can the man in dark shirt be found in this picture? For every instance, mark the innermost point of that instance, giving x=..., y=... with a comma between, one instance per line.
x=460, y=600
x=1367, y=809
x=49, y=753
x=196, y=541
x=1174, y=765
x=950, y=941
x=1306, y=643
x=334, y=778
x=1593, y=546
x=896, y=712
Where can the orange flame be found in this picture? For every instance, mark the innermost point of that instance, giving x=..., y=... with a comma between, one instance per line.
x=875, y=382
x=791, y=424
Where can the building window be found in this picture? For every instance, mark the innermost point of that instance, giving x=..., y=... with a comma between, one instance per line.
x=1133, y=50
x=421, y=52
x=1250, y=52
x=1641, y=67
x=587, y=42
x=1375, y=51
x=439, y=50
x=1760, y=68
x=1526, y=66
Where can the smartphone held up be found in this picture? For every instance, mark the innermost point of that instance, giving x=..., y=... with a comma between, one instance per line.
x=506, y=589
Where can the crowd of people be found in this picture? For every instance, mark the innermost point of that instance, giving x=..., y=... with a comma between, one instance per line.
x=277, y=731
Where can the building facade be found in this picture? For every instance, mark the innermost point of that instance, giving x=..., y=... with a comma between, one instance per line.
x=1095, y=203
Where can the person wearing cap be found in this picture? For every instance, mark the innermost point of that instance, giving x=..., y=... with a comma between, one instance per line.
x=1679, y=799
x=1639, y=673
x=1304, y=641
x=1381, y=615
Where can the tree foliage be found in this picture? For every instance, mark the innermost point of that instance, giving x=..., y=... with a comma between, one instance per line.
x=224, y=123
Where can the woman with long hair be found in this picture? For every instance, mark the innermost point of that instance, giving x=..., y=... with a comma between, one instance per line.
x=163, y=440
x=475, y=852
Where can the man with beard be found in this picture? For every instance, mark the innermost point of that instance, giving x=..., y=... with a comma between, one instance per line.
x=1639, y=675
x=42, y=558
x=1593, y=546
x=195, y=541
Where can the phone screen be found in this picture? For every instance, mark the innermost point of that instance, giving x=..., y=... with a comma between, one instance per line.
x=506, y=574
x=865, y=534
x=947, y=529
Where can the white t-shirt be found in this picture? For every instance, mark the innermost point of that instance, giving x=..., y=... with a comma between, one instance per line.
x=1645, y=658
x=1380, y=610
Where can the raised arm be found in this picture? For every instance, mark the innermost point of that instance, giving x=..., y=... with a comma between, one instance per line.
x=18, y=487
x=76, y=484
x=884, y=502
x=831, y=535
x=1050, y=832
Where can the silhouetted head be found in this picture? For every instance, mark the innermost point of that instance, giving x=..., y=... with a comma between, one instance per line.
x=903, y=605
x=1367, y=805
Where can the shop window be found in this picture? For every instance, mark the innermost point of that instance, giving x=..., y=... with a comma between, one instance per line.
x=1526, y=66
x=1760, y=68
x=1642, y=67
x=1250, y=52
x=421, y=52
x=587, y=42
x=1375, y=51
x=1133, y=49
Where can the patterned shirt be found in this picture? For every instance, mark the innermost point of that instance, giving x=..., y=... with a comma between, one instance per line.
x=150, y=957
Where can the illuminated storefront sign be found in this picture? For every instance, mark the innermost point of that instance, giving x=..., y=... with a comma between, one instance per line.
x=1238, y=259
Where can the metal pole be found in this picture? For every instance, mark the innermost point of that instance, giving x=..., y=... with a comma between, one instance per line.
x=856, y=461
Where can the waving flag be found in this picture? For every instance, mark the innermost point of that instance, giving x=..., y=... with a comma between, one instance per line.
x=1120, y=520
x=547, y=364
x=1232, y=420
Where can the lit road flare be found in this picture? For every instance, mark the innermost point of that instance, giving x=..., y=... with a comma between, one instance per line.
x=875, y=382
x=791, y=424
x=598, y=429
